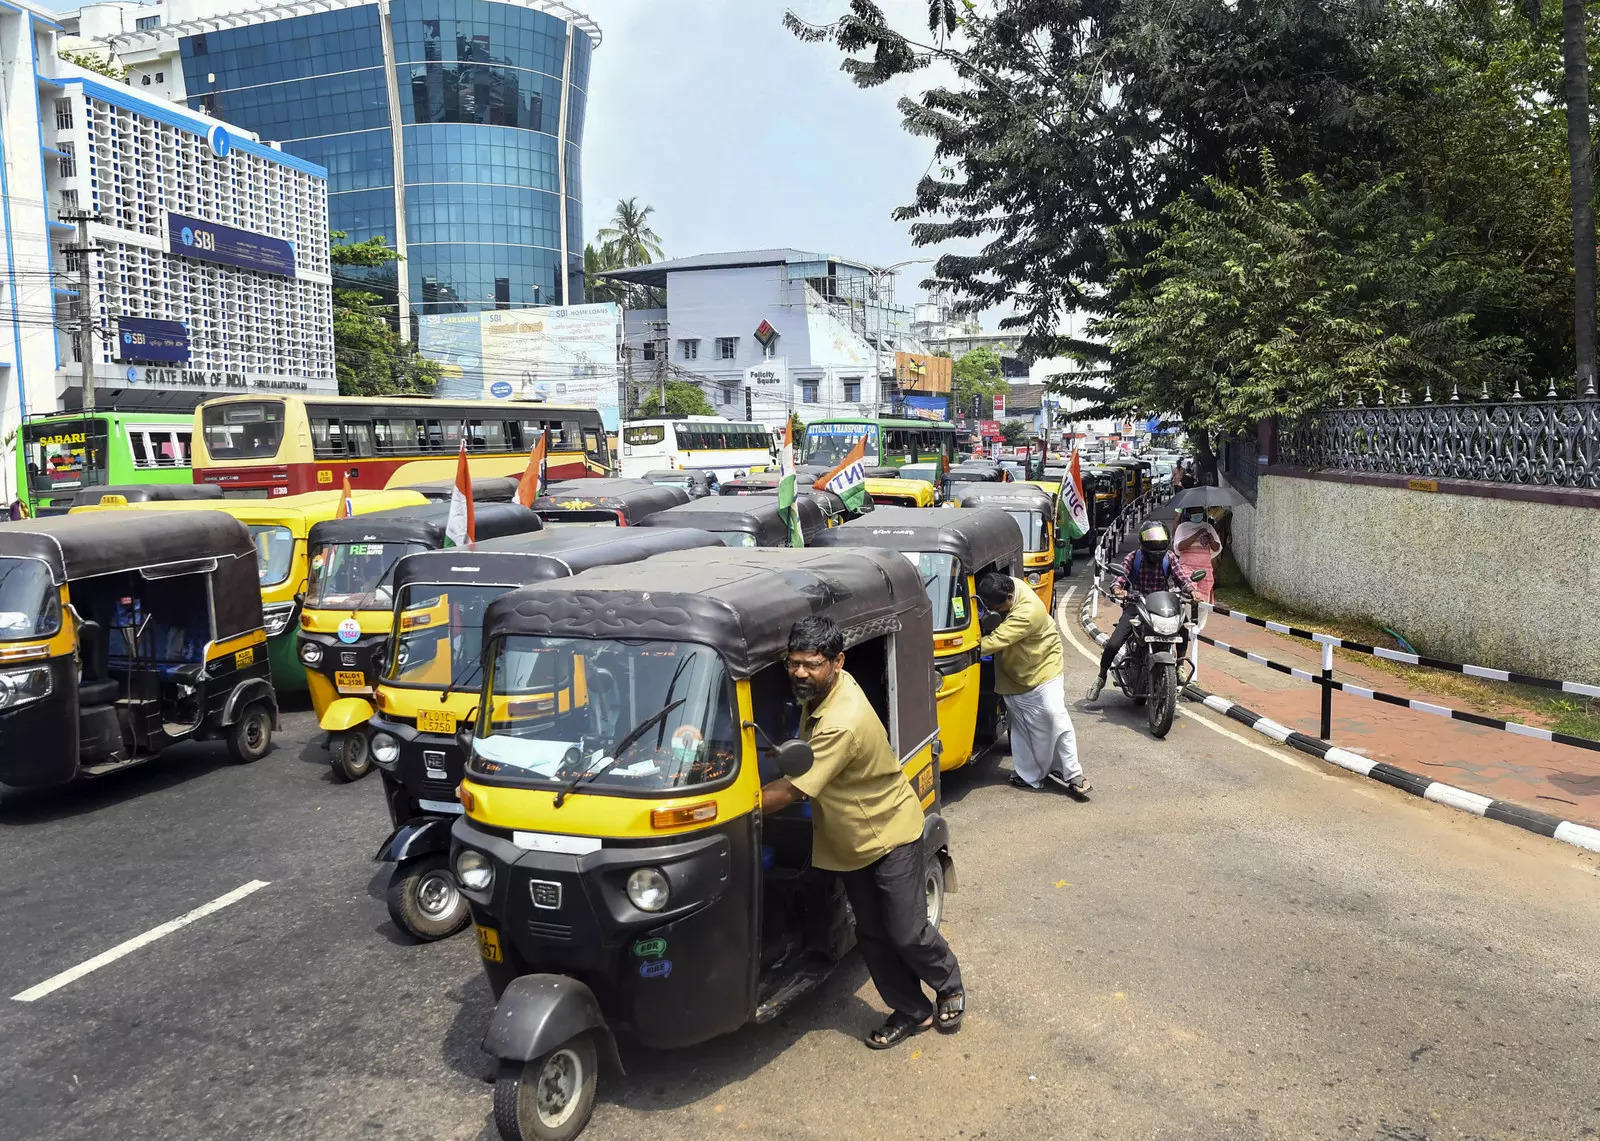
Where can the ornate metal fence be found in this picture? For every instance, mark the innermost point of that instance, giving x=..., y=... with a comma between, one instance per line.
x=1553, y=443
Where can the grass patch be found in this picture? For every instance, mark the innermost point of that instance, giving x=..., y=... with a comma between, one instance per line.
x=1561, y=712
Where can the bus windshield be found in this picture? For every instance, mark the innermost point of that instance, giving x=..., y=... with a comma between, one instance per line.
x=354, y=576
x=30, y=606
x=439, y=634
x=245, y=430
x=830, y=443
x=559, y=707
x=65, y=454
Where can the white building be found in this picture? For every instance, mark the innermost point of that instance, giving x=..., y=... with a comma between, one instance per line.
x=210, y=269
x=797, y=331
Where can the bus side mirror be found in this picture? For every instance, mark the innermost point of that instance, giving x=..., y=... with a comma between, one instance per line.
x=794, y=758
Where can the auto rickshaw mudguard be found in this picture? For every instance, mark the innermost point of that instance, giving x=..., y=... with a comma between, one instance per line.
x=345, y=713
x=420, y=837
x=246, y=694
x=537, y=1013
x=936, y=838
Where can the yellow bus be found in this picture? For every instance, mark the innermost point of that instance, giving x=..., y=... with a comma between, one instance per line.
x=260, y=446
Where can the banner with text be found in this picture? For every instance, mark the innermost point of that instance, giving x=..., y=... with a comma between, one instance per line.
x=225, y=245
x=146, y=339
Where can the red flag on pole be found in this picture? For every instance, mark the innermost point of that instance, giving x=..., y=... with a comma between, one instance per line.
x=458, y=529
x=531, y=485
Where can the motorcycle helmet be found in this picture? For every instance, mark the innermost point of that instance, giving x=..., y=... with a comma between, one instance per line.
x=1154, y=540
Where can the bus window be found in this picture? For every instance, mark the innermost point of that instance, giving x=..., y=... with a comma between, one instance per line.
x=180, y=442
x=357, y=438
x=395, y=436
x=327, y=438
x=566, y=436
x=248, y=430
x=594, y=444
x=644, y=435
x=452, y=434
x=488, y=436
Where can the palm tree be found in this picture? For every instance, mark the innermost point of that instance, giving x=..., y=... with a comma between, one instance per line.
x=596, y=262
x=629, y=240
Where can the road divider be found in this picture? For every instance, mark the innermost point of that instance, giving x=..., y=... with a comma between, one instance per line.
x=127, y=947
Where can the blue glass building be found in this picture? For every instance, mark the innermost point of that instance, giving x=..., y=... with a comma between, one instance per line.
x=453, y=128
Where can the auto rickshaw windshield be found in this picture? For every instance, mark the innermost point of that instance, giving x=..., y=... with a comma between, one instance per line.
x=736, y=538
x=1031, y=524
x=559, y=708
x=946, y=587
x=354, y=575
x=274, y=552
x=29, y=605
x=439, y=634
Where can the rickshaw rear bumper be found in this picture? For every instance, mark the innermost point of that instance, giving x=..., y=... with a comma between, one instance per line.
x=538, y=1013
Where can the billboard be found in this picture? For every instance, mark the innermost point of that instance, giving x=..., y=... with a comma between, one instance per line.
x=146, y=339
x=562, y=354
x=225, y=245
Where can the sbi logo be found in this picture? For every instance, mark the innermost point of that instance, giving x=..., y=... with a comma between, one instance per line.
x=127, y=338
x=187, y=236
x=221, y=142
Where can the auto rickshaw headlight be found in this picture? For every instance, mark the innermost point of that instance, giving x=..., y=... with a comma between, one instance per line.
x=1035, y=578
x=310, y=653
x=19, y=686
x=648, y=889
x=473, y=870
x=385, y=749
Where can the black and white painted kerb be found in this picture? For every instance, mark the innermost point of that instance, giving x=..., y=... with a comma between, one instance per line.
x=1543, y=823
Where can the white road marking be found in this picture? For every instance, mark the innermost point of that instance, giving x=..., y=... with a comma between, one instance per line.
x=56, y=982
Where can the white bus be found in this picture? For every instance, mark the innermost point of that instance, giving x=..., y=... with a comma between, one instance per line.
x=726, y=448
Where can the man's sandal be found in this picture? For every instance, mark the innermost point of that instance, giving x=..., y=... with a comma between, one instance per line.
x=895, y=1030
x=952, y=1006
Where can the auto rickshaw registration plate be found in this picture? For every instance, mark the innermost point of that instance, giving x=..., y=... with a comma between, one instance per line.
x=436, y=721
x=489, y=944
x=350, y=679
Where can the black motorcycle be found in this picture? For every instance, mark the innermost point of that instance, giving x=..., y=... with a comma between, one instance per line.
x=1154, y=662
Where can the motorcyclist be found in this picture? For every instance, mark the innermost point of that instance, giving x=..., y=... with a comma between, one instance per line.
x=1149, y=567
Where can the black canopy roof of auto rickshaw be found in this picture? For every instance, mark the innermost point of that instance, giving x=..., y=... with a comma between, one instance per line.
x=146, y=492
x=86, y=545
x=756, y=515
x=766, y=483
x=977, y=538
x=977, y=471
x=635, y=498
x=424, y=523
x=537, y=556
x=485, y=489
x=1006, y=496
x=742, y=602
x=883, y=473
x=675, y=473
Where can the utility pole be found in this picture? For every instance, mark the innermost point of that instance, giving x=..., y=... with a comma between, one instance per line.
x=85, y=330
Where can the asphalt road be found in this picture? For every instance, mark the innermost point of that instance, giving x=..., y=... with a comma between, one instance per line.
x=1228, y=942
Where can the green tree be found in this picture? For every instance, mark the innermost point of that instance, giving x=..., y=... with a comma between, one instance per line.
x=1014, y=432
x=99, y=64
x=369, y=356
x=684, y=398
x=978, y=374
x=596, y=262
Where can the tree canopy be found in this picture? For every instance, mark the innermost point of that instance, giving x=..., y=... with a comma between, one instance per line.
x=684, y=398
x=978, y=374
x=370, y=359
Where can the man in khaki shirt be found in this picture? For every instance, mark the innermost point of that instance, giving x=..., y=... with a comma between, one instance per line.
x=1028, y=675
x=866, y=827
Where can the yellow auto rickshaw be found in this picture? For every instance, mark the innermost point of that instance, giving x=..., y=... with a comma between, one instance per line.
x=619, y=871
x=429, y=689
x=899, y=492
x=1034, y=513
x=348, y=610
x=119, y=639
x=950, y=548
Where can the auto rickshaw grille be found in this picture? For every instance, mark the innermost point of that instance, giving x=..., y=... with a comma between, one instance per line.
x=554, y=932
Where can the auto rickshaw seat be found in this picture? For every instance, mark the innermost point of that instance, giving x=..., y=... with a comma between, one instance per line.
x=96, y=686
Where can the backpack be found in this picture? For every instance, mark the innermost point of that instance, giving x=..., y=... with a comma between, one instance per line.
x=1138, y=563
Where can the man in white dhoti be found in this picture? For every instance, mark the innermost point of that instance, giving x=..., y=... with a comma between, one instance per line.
x=1028, y=673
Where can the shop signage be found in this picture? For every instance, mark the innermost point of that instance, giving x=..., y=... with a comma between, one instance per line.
x=205, y=378
x=209, y=241
x=143, y=339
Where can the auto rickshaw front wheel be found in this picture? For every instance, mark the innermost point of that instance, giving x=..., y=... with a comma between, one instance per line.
x=250, y=737
x=424, y=900
x=550, y=1098
x=352, y=760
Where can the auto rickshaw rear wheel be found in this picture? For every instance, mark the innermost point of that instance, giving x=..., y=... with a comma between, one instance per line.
x=424, y=900
x=250, y=737
x=550, y=1098
x=352, y=760
x=933, y=888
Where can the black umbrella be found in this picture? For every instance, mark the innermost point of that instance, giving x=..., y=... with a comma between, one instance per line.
x=1203, y=497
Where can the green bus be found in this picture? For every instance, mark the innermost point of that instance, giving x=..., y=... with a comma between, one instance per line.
x=890, y=443
x=64, y=451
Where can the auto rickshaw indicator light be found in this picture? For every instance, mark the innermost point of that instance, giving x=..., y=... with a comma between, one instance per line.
x=700, y=813
x=464, y=795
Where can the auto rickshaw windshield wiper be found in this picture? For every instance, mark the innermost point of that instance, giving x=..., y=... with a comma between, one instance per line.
x=634, y=734
x=477, y=667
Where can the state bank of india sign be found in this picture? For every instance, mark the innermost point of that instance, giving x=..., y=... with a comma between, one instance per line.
x=209, y=378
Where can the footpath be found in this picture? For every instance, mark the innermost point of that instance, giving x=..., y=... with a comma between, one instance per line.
x=1561, y=780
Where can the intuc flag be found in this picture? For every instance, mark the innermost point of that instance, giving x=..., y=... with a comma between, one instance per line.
x=531, y=485
x=459, y=527
x=786, y=509
x=848, y=478
x=1077, y=506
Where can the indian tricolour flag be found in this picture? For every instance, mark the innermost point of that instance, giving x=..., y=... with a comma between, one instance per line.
x=531, y=485
x=848, y=480
x=1077, y=520
x=459, y=527
x=786, y=486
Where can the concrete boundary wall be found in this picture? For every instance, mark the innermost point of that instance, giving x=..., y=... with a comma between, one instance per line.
x=1505, y=582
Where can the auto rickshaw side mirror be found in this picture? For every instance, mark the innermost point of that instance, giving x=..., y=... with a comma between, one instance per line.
x=794, y=758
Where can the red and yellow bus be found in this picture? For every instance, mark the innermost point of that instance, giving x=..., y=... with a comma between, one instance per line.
x=262, y=446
